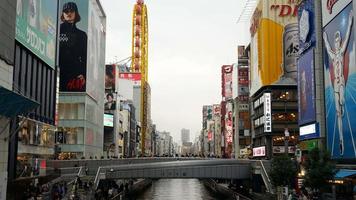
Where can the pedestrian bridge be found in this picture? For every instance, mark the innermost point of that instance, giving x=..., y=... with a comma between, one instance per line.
x=157, y=168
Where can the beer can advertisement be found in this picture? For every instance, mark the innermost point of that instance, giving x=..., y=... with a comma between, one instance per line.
x=340, y=81
x=36, y=28
x=306, y=88
x=73, y=42
x=274, y=44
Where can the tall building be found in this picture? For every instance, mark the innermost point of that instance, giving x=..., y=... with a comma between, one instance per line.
x=242, y=124
x=81, y=102
x=273, y=80
x=12, y=102
x=185, y=135
x=35, y=77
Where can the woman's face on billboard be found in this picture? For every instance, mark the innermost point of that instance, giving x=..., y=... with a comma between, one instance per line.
x=69, y=16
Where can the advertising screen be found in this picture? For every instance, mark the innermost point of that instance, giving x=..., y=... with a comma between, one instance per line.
x=340, y=80
x=109, y=120
x=73, y=41
x=36, y=28
x=306, y=88
x=227, y=81
x=274, y=44
x=306, y=18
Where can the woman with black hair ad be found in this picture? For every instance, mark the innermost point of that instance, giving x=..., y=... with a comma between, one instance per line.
x=72, y=51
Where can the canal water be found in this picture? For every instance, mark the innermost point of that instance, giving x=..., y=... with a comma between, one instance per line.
x=176, y=189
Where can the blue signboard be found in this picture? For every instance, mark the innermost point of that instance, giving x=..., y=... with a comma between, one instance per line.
x=306, y=88
x=340, y=84
x=306, y=25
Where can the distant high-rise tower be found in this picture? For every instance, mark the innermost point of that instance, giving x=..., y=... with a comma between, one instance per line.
x=185, y=135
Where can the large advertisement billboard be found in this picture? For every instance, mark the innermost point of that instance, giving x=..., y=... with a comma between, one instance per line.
x=73, y=41
x=96, y=50
x=306, y=88
x=226, y=72
x=306, y=16
x=36, y=28
x=110, y=71
x=274, y=44
x=228, y=123
x=340, y=78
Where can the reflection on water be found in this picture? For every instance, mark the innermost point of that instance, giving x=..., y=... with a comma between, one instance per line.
x=176, y=189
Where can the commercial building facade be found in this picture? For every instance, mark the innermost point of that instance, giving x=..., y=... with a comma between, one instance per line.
x=81, y=94
x=273, y=78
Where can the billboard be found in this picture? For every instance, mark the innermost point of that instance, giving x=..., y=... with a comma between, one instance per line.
x=340, y=78
x=216, y=109
x=109, y=120
x=306, y=16
x=110, y=71
x=309, y=131
x=274, y=44
x=96, y=50
x=259, y=151
x=306, y=88
x=36, y=28
x=228, y=123
x=110, y=101
x=226, y=72
x=135, y=77
x=267, y=112
x=73, y=41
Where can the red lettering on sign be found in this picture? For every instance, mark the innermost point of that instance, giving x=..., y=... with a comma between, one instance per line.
x=285, y=10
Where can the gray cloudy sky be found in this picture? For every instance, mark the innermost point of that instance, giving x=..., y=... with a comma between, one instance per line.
x=189, y=40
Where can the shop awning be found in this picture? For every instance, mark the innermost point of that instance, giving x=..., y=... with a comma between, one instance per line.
x=343, y=173
x=13, y=104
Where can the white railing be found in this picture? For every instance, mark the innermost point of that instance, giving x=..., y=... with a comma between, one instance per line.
x=266, y=178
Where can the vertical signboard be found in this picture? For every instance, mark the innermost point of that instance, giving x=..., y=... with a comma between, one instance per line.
x=228, y=123
x=36, y=28
x=267, y=113
x=306, y=88
x=96, y=50
x=340, y=77
x=306, y=16
x=110, y=71
x=274, y=44
x=73, y=41
x=227, y=81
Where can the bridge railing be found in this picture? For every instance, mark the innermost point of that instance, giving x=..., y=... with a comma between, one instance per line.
x=265, y=178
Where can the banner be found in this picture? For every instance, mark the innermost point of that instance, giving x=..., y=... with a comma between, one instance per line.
x=306, y=17
x=340, y=79
x=226, y=71
x=36, y=22
x=110, y=101
x=96, y=50
x=110, y=71
x=73, y=41
x=274, y=44
x=306, y=88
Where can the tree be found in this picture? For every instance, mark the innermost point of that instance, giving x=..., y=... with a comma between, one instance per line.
x=319, y=169
x=283, y=171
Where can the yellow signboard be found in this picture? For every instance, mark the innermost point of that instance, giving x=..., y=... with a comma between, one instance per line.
x=274, y=44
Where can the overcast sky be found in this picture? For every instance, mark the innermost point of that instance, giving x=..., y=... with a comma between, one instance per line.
x=189, y=41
